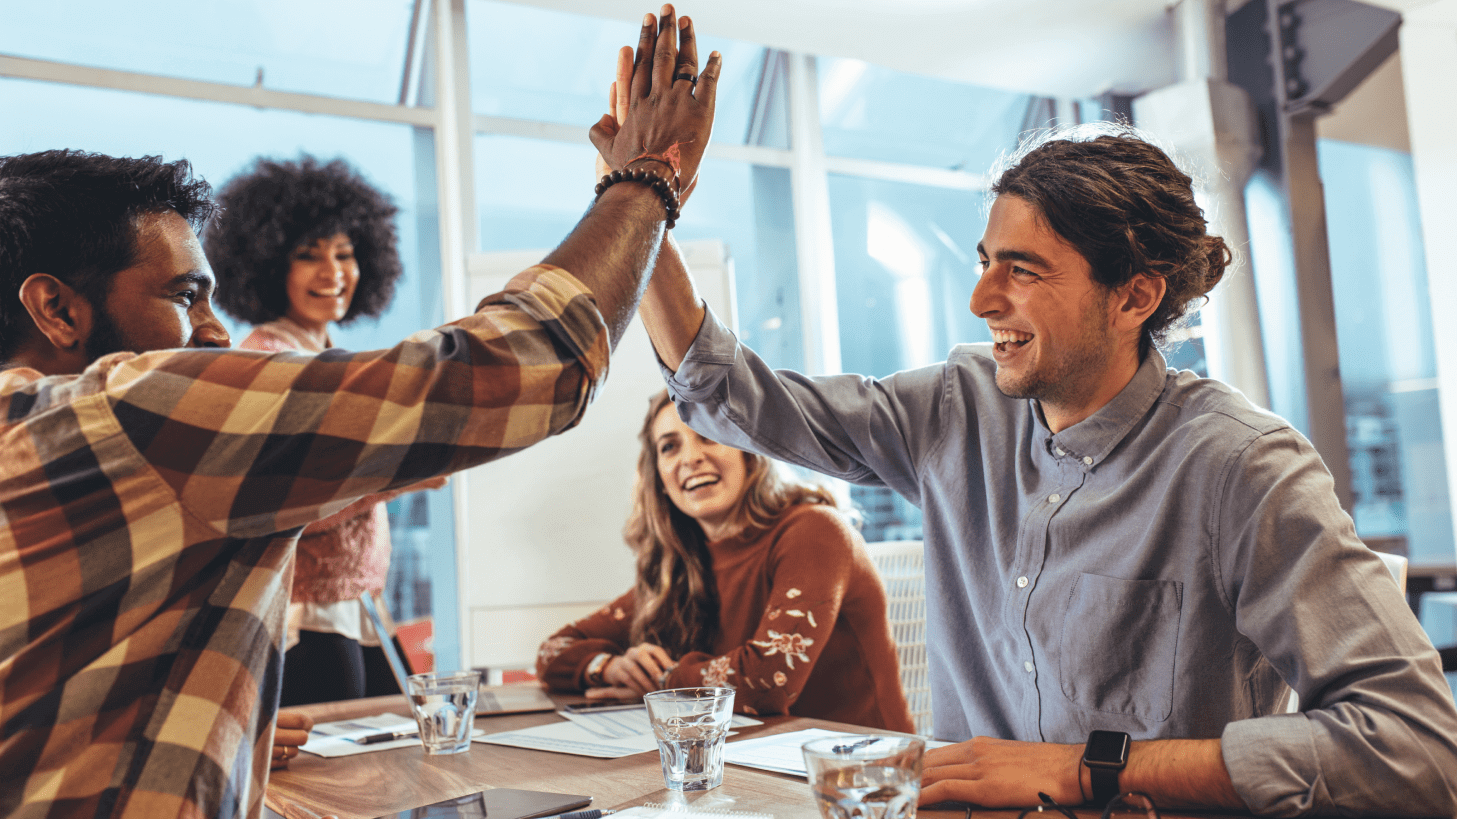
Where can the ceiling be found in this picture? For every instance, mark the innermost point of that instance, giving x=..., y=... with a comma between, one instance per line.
x=1064, y=48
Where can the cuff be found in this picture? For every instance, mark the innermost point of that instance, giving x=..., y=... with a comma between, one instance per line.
x=706, y=364
x=1272, y=763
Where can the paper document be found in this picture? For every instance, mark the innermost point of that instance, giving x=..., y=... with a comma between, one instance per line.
x=333, y=739
x=781, y=753
x=624, y=722
x=572, y=738
x=606, y=735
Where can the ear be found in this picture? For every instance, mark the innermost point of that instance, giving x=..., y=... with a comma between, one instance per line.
x=62, y=315
x=1138, y=299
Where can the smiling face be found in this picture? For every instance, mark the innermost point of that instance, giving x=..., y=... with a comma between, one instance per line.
x=1057, y=332
x=163, y=301
x=321, y=281
x=703, y=478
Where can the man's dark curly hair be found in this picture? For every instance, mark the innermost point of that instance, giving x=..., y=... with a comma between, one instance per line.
x=277, y=206
x=1122, y=203
x=75, y=216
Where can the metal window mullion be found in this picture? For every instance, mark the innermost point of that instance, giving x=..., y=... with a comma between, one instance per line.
x=814, y=240
x=68, y=74
x=455, y=166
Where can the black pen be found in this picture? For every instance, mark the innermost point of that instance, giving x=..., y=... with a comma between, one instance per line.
x=387, y=736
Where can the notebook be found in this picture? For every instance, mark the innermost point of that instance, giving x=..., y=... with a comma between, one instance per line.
x=497, y=803
x=492, y=699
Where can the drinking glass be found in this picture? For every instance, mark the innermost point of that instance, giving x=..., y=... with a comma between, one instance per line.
x=691, y=725
x=445, y=708
x=865, y=777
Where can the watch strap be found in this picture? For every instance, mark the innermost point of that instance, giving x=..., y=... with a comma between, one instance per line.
x=1105, y=785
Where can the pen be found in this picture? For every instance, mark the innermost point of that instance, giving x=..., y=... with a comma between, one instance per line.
x=387, y=736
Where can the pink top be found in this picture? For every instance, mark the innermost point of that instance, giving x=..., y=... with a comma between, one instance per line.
x=347, y=553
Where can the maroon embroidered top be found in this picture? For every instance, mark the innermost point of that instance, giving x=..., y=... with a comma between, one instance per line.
x=802, y=628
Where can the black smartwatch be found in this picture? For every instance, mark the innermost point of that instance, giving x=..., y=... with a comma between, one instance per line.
x=1105, y=755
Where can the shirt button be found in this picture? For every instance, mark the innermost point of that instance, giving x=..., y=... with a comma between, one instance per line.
x=1028, y=665
x=1088, y=461
x=1022, y=582
x=1060, y=451
x=1054, y=498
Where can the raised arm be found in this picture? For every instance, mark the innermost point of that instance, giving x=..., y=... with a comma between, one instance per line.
x=666, y=131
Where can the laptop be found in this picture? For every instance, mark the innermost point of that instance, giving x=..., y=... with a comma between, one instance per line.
x=491, y=699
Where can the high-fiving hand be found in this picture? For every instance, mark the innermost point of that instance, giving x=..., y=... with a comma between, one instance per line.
x=662, y=108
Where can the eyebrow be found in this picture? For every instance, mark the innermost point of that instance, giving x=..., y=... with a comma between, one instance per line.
x=196, y=277
x=1015, y=256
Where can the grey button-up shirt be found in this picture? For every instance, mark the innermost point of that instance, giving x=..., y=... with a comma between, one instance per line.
x=1163, y=567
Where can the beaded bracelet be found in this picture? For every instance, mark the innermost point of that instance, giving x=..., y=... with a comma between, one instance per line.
x=652, y=180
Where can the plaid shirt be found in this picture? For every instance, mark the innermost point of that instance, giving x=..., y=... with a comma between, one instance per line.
x=149, y=509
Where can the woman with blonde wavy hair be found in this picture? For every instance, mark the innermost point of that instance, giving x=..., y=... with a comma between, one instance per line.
x=744, y=579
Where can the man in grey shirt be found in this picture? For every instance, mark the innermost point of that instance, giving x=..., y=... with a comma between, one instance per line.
x=1111, y=546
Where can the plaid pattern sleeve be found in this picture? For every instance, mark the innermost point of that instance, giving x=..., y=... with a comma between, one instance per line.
x=149, y=509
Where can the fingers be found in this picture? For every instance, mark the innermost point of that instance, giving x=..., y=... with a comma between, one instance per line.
x=659, y=654
x=297, y=720
x=950, y=790
x=651, y=659
x=665, y=56
x=602, y=134
x=622, y=671
x=290, y=736
x=642, y=63
x=618, y=108
x=687, y=50
x=706, y=91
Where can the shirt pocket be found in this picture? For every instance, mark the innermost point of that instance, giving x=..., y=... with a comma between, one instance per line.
x=1119, y=640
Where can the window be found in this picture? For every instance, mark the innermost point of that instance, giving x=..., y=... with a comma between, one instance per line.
x=868, y=112
x=550, y=66
x=354, y=49
x=1388, y=360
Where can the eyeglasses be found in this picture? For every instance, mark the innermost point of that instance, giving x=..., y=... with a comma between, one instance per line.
x=1130, y=805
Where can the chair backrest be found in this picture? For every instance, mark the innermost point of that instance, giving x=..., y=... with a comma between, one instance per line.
x=902, y=568
x=1396, y=564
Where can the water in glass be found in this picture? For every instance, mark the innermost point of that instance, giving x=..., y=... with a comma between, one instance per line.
x=869, y=792
x=691, y=750
x=445, y=710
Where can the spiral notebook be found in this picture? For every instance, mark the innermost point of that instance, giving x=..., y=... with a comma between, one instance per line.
x=497, y=803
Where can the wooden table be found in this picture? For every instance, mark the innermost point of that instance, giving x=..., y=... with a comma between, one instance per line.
x=383, y=782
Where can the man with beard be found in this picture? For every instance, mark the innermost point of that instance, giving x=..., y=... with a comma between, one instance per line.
x=153, y=483
x=1126, y=566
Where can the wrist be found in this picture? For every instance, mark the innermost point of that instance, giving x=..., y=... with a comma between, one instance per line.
x=596, y=670
x=1104, y=758
x=642, y=175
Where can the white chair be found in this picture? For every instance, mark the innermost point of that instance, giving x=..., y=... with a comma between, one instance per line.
x=902, y=568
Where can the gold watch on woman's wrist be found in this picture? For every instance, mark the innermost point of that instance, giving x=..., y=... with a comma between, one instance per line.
x=595, y=668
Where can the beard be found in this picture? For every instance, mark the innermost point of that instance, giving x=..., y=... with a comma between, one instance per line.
x=1075, y=372
x=105, y=338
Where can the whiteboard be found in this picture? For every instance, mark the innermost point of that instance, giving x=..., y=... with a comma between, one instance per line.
x=542, y=541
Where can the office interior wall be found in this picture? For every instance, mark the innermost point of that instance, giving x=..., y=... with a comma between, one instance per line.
x=542, y=541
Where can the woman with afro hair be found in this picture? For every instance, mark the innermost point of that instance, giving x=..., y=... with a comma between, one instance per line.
x=301, y=245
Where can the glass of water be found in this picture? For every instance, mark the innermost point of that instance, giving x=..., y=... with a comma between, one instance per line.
x=865, y=777
x=445, y=709
x=691, y=725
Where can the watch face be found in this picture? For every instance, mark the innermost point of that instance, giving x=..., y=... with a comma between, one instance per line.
x=1106, y=746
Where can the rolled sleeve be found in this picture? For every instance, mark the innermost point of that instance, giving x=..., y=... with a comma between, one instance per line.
x=706, y=364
